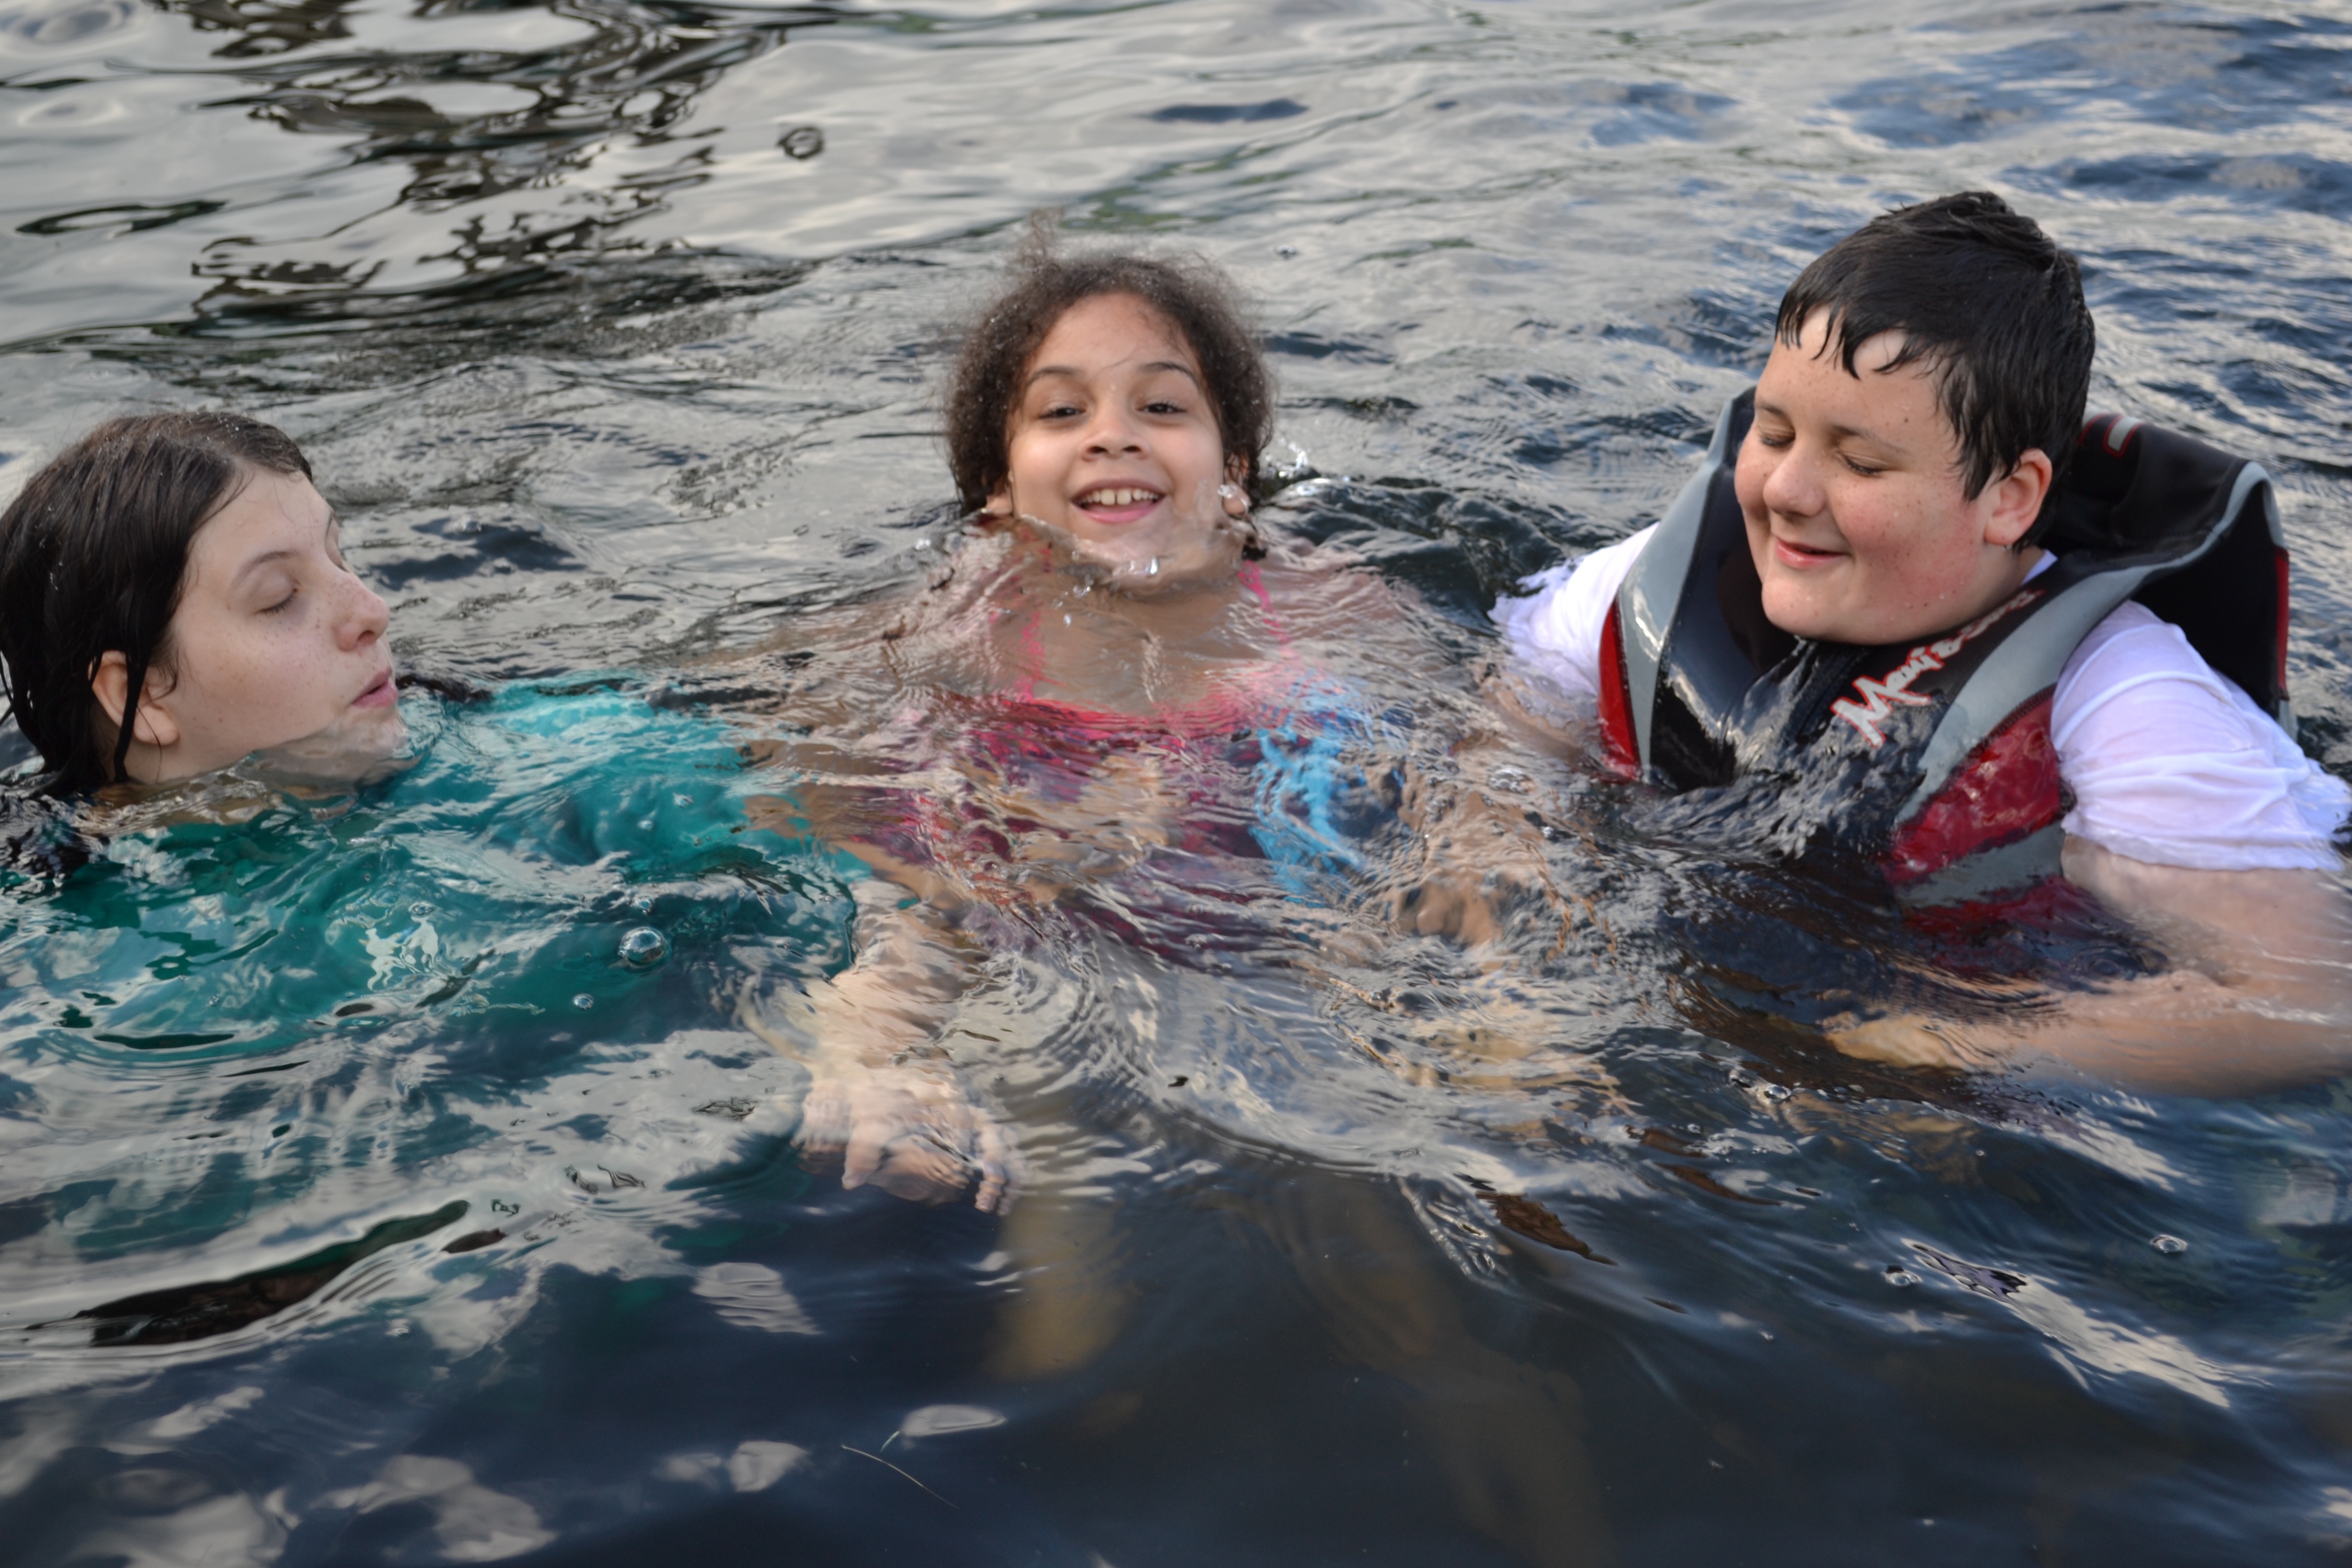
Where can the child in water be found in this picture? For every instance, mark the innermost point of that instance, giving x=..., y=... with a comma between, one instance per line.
x=1111, y=692
x=182, y=641
x=1889, y=614
x=1113, y=719
x=174, y=597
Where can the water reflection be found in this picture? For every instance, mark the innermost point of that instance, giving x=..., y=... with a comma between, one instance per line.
x=1371, y=1251
x=516, y=101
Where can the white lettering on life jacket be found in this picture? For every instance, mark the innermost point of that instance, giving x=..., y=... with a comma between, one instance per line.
x=1878, y=695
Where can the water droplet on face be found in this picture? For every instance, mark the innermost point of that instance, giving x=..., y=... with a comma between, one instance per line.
x=1065, y=617
x=583, y=1001
x=1152, y=570
x=2168, y=1244
x=1900, y=1276
x=644, y=947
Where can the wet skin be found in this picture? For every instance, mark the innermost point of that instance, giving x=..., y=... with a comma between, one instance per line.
x=274, y=640
x=1115, y=450
x=1857, y=516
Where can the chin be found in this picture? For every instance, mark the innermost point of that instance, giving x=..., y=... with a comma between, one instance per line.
x=1799, y=618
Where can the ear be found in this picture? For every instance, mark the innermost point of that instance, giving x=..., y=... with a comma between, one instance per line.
x=1234, y=492
x=109, y=682
x=2017, y=498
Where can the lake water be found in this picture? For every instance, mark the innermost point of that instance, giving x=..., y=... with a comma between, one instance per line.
x=611, y=328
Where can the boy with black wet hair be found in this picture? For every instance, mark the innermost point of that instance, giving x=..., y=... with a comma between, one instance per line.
x=1851, y=611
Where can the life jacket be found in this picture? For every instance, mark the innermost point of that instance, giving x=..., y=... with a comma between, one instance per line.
x=1932, y=757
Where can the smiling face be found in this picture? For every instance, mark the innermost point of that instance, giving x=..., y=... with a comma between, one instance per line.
x=1851, y=489
x=274, y=640
x=1115, y=452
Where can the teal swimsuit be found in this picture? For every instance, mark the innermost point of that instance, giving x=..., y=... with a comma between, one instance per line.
x=492, y=886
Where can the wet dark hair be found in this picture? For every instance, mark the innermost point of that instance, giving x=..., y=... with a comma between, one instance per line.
x=1985, y=300
x=92, y=556
x=1192, y=295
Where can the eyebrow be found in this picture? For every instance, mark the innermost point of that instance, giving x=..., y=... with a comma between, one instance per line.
x=334, y=523
x=1043, y=371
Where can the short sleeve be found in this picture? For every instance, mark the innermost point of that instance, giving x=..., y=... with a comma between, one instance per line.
x=1555, y=628
x=2170, y=763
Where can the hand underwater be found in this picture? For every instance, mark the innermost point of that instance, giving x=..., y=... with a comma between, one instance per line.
x=912, y=1134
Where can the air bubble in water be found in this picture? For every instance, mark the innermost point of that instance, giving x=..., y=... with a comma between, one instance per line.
x=1775, y=1091
x=2168, y=1244
x=643, y=903
x=583, y=1001
x=420, y=909
x=644, y=947
x=1900, y=1276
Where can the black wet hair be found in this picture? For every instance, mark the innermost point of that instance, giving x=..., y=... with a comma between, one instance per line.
x=1196, y=299
x=1985, y=300
x=93, y=554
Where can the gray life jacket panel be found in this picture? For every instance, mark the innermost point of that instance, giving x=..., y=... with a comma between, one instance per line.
x=1932, y=757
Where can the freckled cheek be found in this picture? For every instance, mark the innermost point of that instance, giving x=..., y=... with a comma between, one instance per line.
x=275, y=687
x=1748, y=485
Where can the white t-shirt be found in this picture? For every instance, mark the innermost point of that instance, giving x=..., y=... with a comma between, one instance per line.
x=2169, y=762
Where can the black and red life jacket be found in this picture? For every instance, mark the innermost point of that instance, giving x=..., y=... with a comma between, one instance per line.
x=1932, y=757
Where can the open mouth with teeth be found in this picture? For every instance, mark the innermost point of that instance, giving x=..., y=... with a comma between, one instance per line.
x=1118, y=503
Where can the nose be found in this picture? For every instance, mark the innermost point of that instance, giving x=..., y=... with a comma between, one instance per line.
x=1112, y=429
x=1792, y=484
x=364, y=617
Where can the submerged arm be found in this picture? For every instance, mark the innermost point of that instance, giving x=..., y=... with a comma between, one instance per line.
x=881, y=1103
x=2259, y=996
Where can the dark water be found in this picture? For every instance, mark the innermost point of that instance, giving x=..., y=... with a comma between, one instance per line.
x=611, y=329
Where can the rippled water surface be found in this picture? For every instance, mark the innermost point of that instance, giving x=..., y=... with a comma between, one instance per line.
x=361, y=1201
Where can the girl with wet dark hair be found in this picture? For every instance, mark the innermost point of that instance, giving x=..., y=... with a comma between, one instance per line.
x=1116, y=735
x=1184, y=293
x=174, y=597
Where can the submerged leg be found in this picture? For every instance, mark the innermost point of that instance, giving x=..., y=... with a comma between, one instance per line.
x=1508, y=1434
x=1068, y=1308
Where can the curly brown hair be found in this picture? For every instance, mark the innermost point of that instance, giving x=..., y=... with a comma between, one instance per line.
x=1189, y=293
